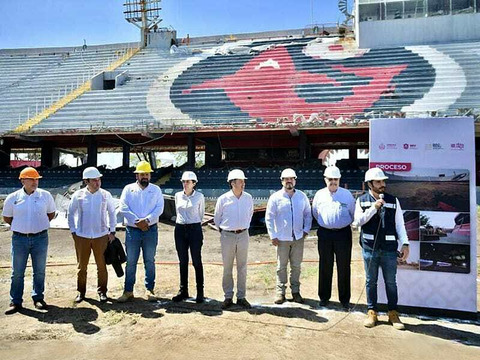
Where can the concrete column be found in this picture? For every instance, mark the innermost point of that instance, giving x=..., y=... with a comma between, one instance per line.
x=213, y=152
x=5, y=152
x=50, y=156
x=126, y=156
x=352, y=155
x=303, y=145
x=92, y=151
x=191, y=151
x=152, y=159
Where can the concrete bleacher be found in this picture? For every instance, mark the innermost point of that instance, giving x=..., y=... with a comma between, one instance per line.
x=124, y=106
x=296, y=76
x=32, y=80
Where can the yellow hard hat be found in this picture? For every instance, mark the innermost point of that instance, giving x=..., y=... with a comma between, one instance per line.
x=29, y=173
x=143, y=167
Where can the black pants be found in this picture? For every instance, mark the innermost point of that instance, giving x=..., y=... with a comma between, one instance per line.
x=338, y=243
x=189, y=236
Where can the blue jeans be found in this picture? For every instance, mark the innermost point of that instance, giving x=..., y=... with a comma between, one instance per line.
x=135, y=240
x=36, y=247
x=387, y=260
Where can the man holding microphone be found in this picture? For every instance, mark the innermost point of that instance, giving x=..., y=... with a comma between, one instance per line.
x=382, y=233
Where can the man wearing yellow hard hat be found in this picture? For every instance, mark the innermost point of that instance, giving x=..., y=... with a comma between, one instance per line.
x=141, y=204
x=28, y=211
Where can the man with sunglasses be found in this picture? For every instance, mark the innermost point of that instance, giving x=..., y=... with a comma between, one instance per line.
x=333, y=207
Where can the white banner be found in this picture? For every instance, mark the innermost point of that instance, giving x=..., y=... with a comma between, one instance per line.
x=431, y=168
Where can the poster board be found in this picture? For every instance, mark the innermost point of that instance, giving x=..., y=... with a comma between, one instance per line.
x=430, y=163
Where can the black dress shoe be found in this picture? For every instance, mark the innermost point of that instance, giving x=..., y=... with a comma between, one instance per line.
x=40, y=305
x=13, y=308
x=182, y=295
x=244, y=303
x=79, y=298
x=227, y=303
x=346, y=305
x=102, y=297
x=323, y=303
x=200, y=297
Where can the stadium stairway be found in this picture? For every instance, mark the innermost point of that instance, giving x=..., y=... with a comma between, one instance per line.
x=124, y=106
x=32, y=82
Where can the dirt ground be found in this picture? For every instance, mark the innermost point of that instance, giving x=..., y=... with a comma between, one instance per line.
x=164, y=330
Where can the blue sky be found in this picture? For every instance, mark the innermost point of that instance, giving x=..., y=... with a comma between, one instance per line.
x=44, y=23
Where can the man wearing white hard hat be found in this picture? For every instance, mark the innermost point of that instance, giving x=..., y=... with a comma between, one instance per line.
x=141, y=204
x=233, y=213
x=92, y=221
x=333, y=207
x=383, y=236
x=288, y=218
x=190, y=207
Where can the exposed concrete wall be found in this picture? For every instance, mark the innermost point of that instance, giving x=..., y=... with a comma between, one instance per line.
x=161, y=39
x=419, y=31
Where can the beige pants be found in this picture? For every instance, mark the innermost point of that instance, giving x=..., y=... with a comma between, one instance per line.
x=289, y=251
x=234, y=247
x=83, y=248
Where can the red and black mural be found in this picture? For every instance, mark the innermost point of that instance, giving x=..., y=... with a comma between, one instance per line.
x=286, y=80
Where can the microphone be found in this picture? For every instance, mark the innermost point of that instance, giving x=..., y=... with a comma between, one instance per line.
x=382, y=211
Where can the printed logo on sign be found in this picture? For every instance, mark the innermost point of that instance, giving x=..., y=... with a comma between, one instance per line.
x=433, y=146
x=381, y=146
x=457, y=146
x=391, y=146
x=410, y=146
x=392, y=166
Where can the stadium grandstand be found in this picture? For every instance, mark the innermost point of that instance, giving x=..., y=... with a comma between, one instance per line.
x=259, y=101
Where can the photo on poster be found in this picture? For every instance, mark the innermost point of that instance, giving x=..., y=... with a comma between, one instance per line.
x=444, y=257
x=412, y=224
x=431, y=189
x=445, y=227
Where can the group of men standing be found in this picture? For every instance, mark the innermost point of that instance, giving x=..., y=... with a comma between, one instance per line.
x=288, y=218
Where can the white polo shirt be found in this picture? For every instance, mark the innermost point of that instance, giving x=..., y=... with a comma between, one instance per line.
x=87, y=213
x=29, y=212
x=137, y=203
x=190, y=209
x=232, y=213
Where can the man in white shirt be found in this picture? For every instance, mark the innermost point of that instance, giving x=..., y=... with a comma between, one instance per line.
x=333, y=208
x=288, y=218
x=383, y=237
x=28, y=211
x=92, y=220
x=141, y=204
x=233, y=213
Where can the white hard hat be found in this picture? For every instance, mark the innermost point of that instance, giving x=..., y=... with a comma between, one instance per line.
x=236, y=174
x=189, y=175
x=288, y=173
x=91, y=173
x=375, y=174
x=332, y=172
